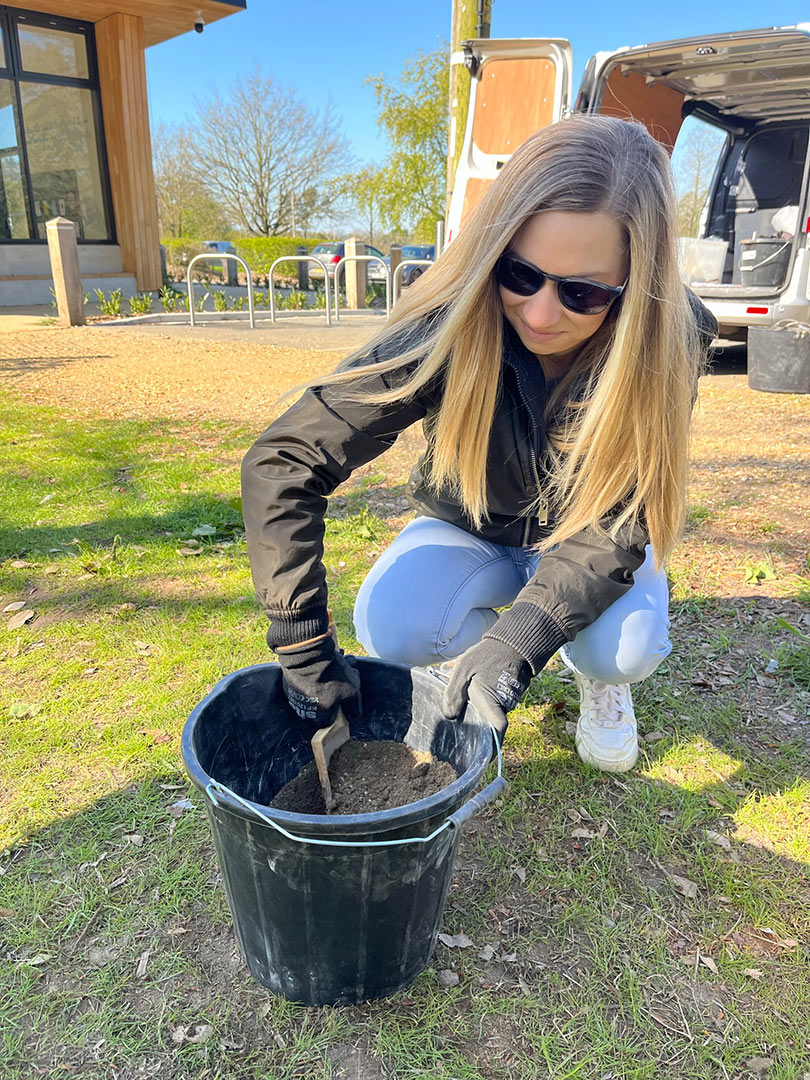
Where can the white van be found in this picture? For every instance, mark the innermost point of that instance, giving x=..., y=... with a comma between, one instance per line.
x=749, y=263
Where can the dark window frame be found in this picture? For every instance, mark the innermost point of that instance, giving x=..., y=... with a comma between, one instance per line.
x=10, y=19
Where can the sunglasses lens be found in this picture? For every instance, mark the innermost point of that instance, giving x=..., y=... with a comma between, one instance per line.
x=584, y=297
x=518, y=277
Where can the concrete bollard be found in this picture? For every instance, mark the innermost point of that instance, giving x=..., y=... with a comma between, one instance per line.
x=355, y=274
x=67, y=280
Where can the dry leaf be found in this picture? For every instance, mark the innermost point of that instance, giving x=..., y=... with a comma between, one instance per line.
x=753, y=973
x=35, y=961
x=134, y=838
x=143, y=647
x=788, y=943
x=143, y=960
x=654, y=736
x=486, y=953
x=20, y=619
x=16, y=606
x=21, y=564
x=688, y=888
x=709, y=963
x=6, y=913
x=447, y=978
x=520, y=873
x=759, y=1064
x=719, y=839
x=455, y=941
x=583, y=834
x=185, y=551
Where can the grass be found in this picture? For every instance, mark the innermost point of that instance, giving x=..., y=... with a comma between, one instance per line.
x=641, y=926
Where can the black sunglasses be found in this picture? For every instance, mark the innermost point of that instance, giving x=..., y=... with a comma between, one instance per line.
x=581, y=295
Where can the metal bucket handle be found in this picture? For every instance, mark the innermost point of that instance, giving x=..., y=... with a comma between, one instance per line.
x=454, y=821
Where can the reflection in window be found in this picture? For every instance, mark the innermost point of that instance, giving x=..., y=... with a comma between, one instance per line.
x=60, y=135
x=3, y=61
x=53, y=52
x=13, y=218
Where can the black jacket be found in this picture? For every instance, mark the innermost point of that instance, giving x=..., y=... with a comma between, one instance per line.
x=315, y=445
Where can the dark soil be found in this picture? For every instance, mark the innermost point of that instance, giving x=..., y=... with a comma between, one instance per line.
x=367, y=777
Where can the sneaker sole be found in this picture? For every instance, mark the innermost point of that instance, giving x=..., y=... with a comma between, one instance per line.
x=604, y=765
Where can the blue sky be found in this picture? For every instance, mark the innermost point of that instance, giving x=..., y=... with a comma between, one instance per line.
x=326, y=48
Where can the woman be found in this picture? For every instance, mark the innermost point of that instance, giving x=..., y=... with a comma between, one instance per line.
x=553, y=355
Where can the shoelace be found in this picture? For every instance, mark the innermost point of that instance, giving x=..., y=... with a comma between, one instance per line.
x=608, y=699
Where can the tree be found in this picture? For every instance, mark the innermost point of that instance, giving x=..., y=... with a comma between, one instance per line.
x=414, y=117
x=266, y=157
x=362, y=193
x=693, y=164
x=185, y=206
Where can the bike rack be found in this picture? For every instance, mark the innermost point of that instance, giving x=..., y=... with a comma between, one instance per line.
x=363, y=258
x=218, y=256
x=298, y=258
x=398, y=273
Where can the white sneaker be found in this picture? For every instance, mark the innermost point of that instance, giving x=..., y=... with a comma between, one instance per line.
x=606, y=736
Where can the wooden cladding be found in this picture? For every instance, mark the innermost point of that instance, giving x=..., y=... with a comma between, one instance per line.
x=658, y=107
x=514, y=99
x=162, y=19
x=122, y=81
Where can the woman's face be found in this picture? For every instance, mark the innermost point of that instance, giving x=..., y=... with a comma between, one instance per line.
x=565, y=244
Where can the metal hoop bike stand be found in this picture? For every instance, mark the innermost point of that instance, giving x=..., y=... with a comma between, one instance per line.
x=218, y=257
x=362, y=258
x=398, y=273
x=298, y=258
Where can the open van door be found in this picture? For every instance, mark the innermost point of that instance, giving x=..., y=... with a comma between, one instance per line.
x=517, y=86
x=750, y=261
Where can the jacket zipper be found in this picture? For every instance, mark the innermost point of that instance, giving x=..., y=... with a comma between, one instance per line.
x=542, y=516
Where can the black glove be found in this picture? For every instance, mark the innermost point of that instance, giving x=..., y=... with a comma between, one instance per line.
x=493, y=676
x=318, y=679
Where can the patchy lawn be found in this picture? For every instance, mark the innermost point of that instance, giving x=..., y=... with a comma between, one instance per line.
x=648, y=925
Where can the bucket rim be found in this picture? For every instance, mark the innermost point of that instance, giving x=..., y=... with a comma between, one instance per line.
x=395, y=818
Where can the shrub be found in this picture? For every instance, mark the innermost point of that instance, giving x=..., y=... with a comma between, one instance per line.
x=140, y=304
x=220, y=300
x=260, y=252
x=170, y=298
x=295, y=300
x=110, y=305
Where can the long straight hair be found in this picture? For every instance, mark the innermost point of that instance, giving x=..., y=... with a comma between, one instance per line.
x=619, y=419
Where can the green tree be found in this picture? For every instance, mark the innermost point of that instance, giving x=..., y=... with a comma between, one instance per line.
x=363, y=193
x=414, y=116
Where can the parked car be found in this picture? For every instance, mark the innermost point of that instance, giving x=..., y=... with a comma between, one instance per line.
x=750, y=262
x=331, y=253
x=409, y=274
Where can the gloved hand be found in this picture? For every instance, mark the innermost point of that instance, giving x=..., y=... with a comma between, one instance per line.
x=493, y=676
x=318, y=679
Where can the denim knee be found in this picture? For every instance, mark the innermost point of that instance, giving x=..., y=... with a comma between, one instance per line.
x=404, y=638
x=636, y=658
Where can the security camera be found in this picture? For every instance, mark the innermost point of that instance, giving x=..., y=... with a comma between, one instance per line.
x=199, y=23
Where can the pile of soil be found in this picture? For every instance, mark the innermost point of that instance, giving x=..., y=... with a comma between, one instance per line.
x=367, y=777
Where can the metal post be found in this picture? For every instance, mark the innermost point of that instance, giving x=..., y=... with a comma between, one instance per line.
x=216, y=257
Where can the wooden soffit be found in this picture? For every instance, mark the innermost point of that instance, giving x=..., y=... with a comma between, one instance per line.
x=162, y=19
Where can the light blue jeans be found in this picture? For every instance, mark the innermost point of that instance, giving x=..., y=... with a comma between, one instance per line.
x=433, y=592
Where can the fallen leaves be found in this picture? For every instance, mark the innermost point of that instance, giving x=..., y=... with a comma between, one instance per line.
x=455, y=941
x=684, y=886
x=20, y=618
x=193, y=1033
x=719, y=839
x=753, y=973
x=447, y=978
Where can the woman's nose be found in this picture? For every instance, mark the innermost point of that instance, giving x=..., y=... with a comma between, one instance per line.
x=543, y=308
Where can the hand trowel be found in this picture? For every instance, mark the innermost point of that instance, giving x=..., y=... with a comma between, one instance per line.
x=325, y=742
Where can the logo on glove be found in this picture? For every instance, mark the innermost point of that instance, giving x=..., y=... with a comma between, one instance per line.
x=509, y=690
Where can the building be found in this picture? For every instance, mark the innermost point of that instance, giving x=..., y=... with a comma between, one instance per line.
x=74, y=137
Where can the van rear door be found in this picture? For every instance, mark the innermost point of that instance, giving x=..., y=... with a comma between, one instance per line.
x=518, y=86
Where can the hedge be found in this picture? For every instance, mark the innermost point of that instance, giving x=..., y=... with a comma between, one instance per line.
x=260, y=252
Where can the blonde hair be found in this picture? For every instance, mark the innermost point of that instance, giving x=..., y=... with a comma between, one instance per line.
x=619, y=419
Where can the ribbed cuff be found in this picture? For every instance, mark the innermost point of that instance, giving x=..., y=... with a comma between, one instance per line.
x=531, y=632
x=290, y=629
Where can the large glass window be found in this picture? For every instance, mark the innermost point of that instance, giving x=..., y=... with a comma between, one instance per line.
x=13, y=215
x=51, y=163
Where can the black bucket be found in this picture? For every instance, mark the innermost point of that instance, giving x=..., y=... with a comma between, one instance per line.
x=779, y=359
x=344, y=908
x=764, y=261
